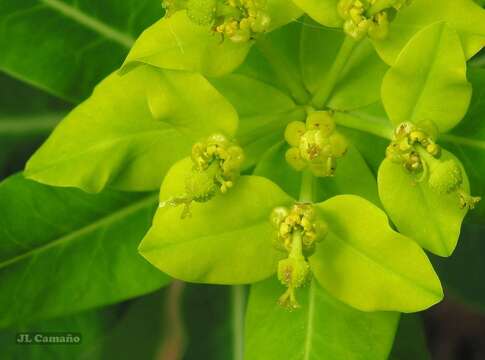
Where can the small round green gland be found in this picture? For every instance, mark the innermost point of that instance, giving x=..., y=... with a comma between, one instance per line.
x=433, y=149
x=321, y=120
x=235, y=159
x=294, y=131
x=294, y=159
x=416, y=136
x=278, y=215
x=338, y=144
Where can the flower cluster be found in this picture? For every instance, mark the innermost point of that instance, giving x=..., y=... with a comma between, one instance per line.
x=216, y=165
x=408, y=139
x=415, y=148
x=368, y=17
x=237, y=20
x=297, y=230
x=316, y=145
x=242, y=20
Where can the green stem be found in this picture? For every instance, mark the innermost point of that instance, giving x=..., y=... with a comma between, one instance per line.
x=322, y=96
x=365, y=123
x=238, y=295
x=306, y=187
x=284, y=70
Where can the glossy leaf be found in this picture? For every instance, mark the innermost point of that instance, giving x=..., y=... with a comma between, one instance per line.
x=227, y=240
x=63, y=251
x=263, y=110
x=177, y=43
x=65, y=46
x=349, y=168
x=323, y=328
x=280, y=49
x=428, y=80
x=466, y=17
x=360, y=80
x=323, y=11
x=114, y=140
x=123, y=331
x=27, y=116
x=467, y=142
x=93, y=326
x=432, y=219
x=365, y=264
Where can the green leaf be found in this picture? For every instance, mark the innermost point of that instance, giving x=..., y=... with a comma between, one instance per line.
x=92, y=326
x=467, y=142
x=360, y=80
x=323, y=328
x=125, y=331
x=63, y=251
x=227, y=240
x=177, y=43
x=428, y=80
x=466, y=17
x=95, y=37
x=27, y=116
x=462, y=273
x=410, y=340
x=322, y=11
x=263, y=110
x=352, y=166
x=432, y=219
x=113, y=139
x=280, y=49
x=365, y=264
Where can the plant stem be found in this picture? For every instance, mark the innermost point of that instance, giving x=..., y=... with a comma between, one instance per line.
x=284, y=71
x=322, y=96
x=306, y=187
x=173, y=344
x=365, y=123
x=238, y=296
